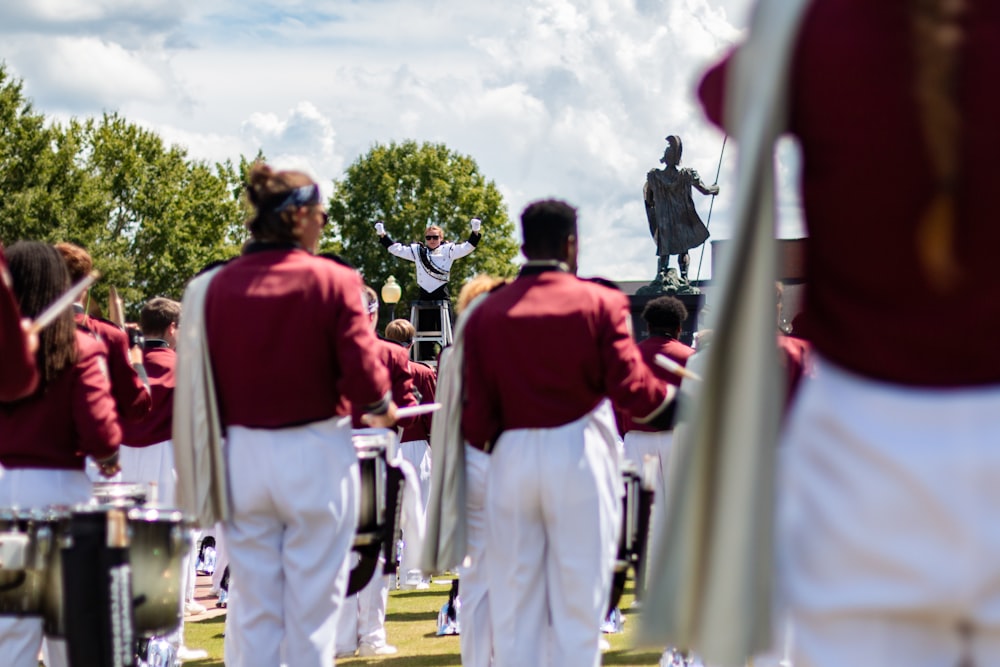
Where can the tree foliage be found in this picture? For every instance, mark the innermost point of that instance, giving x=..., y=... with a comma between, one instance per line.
x=409, y=187
x=149, y=216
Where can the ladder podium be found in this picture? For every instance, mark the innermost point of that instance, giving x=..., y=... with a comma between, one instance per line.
x=432, y=321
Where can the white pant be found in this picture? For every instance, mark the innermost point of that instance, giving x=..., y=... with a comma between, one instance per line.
x=363, y=618
x=553, y=512
x=21, y=638
x=221, y=558
x=888, y=534
x=295, y=508
x=151, y=465
x=653, y=448
x=476, y=638
x=418, y=453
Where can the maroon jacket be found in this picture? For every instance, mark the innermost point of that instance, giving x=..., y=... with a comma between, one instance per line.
x=397, y=361
x=544, y=350
x=131, y=396
x=425, y=381
x=649, y=348
x=157, y=426
x=18, y=373
x=71, y=417
x=289, y=340
x=867, y=180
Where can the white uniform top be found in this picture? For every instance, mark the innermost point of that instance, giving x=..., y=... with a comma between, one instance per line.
x=441, y=258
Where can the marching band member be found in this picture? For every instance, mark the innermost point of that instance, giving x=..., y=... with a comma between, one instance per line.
x=664, y=316
x=147, y=451
x=888, y=548
x=365, y=631
x=291, y=346
x=129, y=384
x=414, y=443
x=47, y=435
x=541, y=357
x=17, y=345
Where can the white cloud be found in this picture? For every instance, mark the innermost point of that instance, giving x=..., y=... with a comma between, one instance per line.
x=550, y=97
x=88, y=72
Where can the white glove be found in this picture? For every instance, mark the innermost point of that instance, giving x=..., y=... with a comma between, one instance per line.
x=380, y=229
x=475, y=224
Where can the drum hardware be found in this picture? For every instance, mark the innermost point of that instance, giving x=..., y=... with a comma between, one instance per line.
x=97, y=576
x=49, y=558
x=27, y=539
x=380, y=506
x=637, y=503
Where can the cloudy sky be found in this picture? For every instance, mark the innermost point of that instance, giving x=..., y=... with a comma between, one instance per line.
x=567, y=98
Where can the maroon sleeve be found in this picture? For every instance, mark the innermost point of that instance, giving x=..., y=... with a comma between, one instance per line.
x=427, y=386
x=131, y=396
x=364, y=381
x=19, y=375
x=480, y=422
x=94, y=416
x=712, y=91
x=630, y=384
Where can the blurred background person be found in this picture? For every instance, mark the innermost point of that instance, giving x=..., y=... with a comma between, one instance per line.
x=47, y=435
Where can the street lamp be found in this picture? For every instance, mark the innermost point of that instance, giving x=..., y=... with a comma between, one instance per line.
x=391, y=292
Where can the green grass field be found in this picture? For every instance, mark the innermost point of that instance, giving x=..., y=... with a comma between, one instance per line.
x=411, y=623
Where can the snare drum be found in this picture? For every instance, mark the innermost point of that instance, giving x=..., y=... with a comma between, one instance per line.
x=371, y=446
x=120, y=494
x=158, y=540
x=379, y=505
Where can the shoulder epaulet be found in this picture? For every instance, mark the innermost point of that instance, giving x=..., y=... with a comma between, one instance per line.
x=107, y=321
x=334, y=257
x=604, y=282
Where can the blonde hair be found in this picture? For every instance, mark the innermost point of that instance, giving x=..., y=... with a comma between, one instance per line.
x=479, y=284
x=400, y=331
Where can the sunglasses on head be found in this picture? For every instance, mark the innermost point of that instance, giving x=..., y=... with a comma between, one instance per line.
x=432, y=238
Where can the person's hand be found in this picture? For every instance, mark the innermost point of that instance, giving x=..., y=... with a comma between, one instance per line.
x=30, y=336
x=109, y=467
x=385, y=420
x=380, y=228
x=475, y=224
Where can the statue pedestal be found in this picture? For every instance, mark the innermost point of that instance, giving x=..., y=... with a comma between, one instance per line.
x=693, y=303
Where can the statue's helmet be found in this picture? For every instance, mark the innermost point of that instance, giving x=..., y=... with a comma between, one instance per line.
x=674, y=149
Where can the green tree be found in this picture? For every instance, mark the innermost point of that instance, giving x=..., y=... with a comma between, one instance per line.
x=409, y=187
x=164, y=216
x=43, y=188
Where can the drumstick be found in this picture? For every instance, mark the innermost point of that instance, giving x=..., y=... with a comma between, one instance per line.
x=669, y=364
x=49, y=315
x=401, y=413
x=414, y=410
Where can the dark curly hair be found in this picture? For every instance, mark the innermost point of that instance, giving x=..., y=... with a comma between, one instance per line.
x=664, y=315
x=546, y=225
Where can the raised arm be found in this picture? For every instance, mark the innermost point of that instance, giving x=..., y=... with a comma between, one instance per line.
x=394, y=247
x=465, y=248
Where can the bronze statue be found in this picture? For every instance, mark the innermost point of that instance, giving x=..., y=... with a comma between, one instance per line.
x=673, y=219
